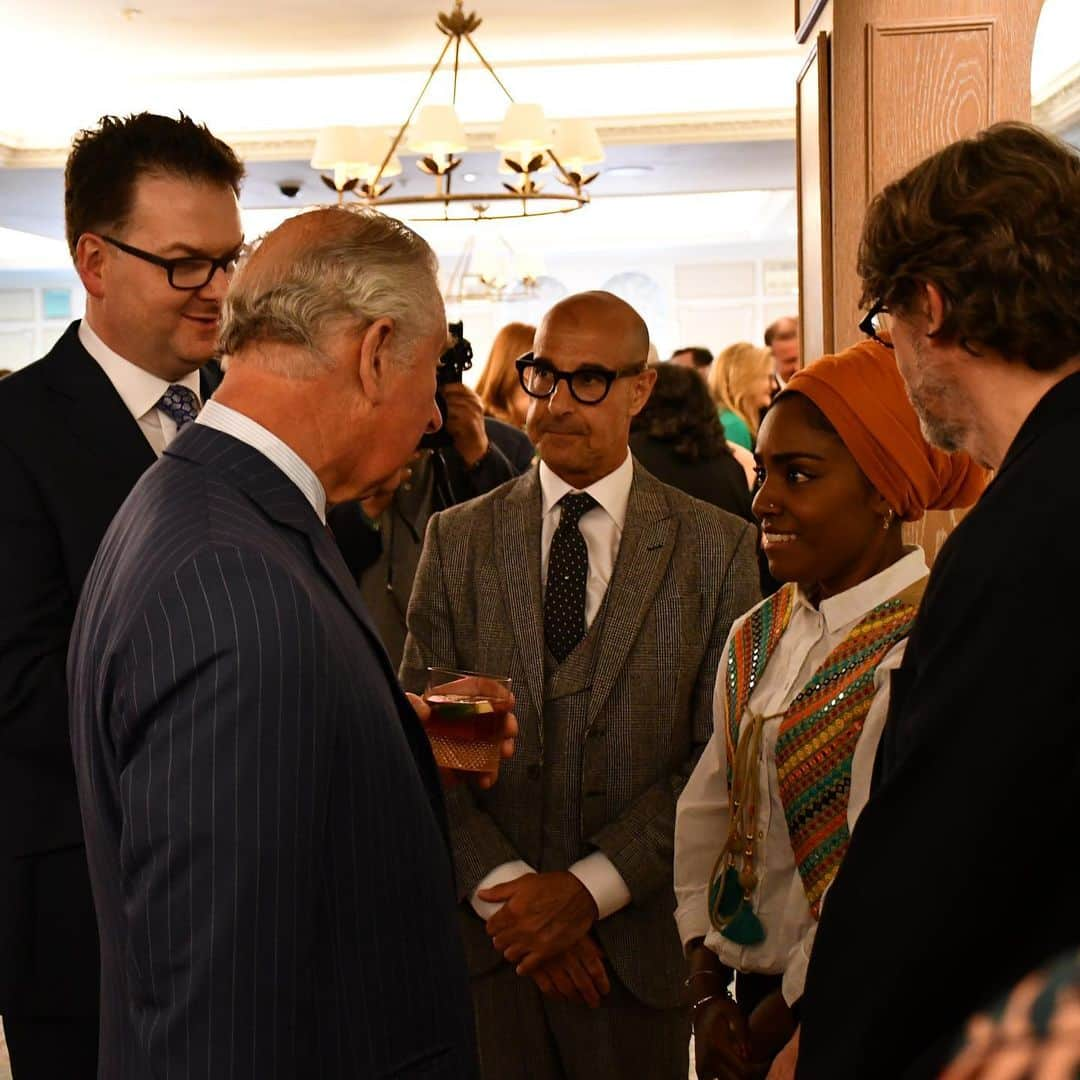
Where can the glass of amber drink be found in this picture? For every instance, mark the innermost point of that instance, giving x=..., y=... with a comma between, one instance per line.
x=467, y=713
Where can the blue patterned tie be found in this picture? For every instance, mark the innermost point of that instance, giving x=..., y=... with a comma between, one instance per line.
x=179, y=404
x=567, y=578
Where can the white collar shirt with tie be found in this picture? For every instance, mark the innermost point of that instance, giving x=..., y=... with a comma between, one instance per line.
x=140, y=390
x=601, y=527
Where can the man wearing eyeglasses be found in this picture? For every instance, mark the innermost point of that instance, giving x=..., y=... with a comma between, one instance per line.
x=607, y=597
x=153, y=225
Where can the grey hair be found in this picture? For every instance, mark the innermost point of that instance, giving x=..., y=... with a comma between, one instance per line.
x=355, y=266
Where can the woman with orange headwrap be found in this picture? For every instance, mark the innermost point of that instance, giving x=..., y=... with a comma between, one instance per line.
x=802, y=694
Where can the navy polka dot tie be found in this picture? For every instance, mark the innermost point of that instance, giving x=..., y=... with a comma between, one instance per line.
x=179, y=404
x=567, y=578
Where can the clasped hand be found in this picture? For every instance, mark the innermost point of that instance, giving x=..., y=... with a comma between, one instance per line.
x=541, y=916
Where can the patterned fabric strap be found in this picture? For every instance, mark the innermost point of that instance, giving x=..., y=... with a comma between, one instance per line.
x=818, y=735
x=751, y=647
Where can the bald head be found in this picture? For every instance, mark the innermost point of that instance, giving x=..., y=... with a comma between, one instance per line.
x=603, y=313
x=326, y=271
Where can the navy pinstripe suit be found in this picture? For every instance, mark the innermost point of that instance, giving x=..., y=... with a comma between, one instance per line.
x=263, y=818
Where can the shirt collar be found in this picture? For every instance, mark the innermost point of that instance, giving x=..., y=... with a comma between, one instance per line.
x=222, y=418
x=853, y=604
x=612, y=492
x=139, y=389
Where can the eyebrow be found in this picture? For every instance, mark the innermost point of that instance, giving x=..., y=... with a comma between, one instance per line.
x=587, y=366
x=793, y=455
x=198, y=253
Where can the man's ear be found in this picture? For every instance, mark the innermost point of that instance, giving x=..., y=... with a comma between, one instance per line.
x=90, y=258
x=373, y=358
x=642, y=391
x=935, y=308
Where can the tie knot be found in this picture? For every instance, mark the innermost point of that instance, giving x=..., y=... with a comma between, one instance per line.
x=179, y=404
x=574, y=505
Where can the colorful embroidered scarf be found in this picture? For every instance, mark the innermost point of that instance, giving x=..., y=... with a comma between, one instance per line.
x=821, y=727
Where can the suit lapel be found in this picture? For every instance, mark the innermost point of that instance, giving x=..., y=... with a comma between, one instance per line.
x=516, y=529
x=110, y=452
x=648, y=542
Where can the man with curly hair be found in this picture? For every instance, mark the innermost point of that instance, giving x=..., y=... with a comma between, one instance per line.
x=961, y=876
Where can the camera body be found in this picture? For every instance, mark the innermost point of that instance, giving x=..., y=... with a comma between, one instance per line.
x=455, y=360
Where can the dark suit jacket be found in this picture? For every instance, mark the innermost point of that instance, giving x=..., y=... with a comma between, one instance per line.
x=684, y=572
x=69, y=454
x=962, y=874
x=263, y=817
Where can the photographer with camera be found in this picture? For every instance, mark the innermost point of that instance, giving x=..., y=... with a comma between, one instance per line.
x=381, y=536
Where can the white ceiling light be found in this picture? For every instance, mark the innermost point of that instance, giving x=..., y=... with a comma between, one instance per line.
x=438, y=135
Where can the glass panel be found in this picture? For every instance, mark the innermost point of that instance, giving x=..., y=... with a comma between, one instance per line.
x=17, y=305
x=56, y=303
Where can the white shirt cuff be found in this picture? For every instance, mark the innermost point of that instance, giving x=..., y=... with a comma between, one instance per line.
x=508, y=871
x=605, y=884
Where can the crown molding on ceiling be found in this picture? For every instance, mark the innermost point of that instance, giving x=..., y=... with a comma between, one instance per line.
x=298, y=145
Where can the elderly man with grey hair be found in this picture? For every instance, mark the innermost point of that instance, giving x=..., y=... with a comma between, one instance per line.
x=263, y=816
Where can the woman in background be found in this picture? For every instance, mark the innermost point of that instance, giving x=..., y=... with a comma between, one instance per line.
x=498, y=386
x=678, y=437
x=741, y=384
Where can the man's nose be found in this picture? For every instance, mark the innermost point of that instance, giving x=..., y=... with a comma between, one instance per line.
x=561, y=401
x=217, y=286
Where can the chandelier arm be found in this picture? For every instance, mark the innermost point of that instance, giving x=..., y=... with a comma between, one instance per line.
x=565, y=175
x=457, y=57
x=491, y=70
x=412, y=112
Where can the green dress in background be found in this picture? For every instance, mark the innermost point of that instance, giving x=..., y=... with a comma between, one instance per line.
x=735, y=429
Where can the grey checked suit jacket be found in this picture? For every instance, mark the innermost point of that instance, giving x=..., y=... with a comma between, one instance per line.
x=263, y=818
x=684, y=572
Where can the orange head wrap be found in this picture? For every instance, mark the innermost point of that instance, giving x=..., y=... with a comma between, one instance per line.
x=862, y=395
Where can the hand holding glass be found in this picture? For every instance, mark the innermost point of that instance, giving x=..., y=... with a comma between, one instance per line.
x=468, y=712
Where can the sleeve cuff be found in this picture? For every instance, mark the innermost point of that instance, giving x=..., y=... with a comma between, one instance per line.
x=605, y=884
x=503, y=873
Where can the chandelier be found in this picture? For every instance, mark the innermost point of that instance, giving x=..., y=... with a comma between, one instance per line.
x=364, y=161
x=491, y=271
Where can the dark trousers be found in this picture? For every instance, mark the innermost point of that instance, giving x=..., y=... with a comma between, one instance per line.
x=52, y=1049
x=525, y=1036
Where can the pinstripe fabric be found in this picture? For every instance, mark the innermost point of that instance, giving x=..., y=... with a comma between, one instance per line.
x=684, y=572
x=263, y=819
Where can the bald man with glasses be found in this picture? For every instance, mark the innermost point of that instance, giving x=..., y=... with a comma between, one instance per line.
x=607, y=597
x=153, y=225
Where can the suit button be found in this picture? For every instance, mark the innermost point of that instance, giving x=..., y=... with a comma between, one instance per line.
x=533, y=771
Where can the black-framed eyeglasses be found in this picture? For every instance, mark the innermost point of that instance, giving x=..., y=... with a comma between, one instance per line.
x=873, y=325
x=189, y=272
x=589, y=385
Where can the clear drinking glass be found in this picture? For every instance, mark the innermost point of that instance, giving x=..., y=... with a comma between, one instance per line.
x=467, y=713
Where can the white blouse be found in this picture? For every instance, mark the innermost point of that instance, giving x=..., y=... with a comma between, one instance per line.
x=703, y=811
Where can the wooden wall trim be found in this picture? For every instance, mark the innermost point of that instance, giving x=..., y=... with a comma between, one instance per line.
x=878, y=31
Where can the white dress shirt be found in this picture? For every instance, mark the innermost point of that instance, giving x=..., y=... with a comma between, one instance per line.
x=703, y=809
x=139, y=389
x=602, y=528
x=222, y=418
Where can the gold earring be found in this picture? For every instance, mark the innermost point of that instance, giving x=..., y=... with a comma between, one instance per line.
x=889, y=515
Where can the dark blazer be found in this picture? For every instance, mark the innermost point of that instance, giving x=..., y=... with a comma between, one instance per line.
x=962, y=873
x=69, y=454
x=684, y=572
x=263, y=816
x=719, y=481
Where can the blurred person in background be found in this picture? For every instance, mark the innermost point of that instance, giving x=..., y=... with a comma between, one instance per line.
x=692, y=356
x=498, y=385
x=678, y=437
x=741, y=385
x=782, y=337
